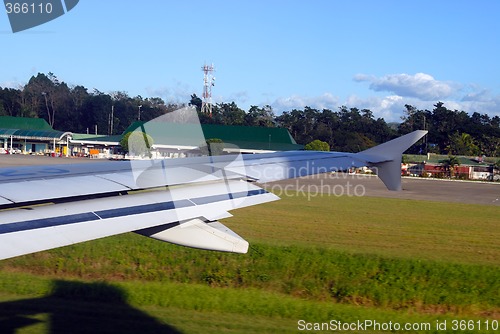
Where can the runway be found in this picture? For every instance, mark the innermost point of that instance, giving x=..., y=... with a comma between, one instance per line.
x=470, y=192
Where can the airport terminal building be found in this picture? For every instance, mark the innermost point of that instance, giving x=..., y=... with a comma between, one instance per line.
x=31, y=136
x=170, y=140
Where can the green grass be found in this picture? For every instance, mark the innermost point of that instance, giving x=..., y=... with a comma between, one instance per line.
x=329, y=258
x=307, y=272
x=408, y=229
x=152, y=307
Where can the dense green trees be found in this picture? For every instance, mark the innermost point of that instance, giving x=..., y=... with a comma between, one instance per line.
x=453, y=131
x=74, y=108
x=348, y=130
x=317, y=145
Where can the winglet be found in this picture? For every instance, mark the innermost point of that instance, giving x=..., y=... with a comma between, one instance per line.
x=387, y=158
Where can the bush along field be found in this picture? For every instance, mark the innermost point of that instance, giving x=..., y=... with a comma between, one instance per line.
x=311, y=263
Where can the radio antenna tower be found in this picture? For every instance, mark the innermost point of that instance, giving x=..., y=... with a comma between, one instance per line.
x=208, y=83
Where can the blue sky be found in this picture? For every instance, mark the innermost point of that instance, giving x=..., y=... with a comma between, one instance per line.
x=379, y=55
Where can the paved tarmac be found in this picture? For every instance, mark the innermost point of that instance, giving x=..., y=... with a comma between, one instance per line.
x=472, y=192
x=11, y=160
x=338, y=184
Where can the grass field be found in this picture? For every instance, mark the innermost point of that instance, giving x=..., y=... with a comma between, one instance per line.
x=344, y=259
x=439, y=231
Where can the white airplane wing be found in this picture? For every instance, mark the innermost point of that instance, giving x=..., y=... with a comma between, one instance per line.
x=178, y=200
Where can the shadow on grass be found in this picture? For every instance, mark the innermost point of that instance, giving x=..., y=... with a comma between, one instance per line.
x=75, y=307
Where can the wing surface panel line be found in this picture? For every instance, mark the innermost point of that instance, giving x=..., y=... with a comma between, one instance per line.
x=122, y=212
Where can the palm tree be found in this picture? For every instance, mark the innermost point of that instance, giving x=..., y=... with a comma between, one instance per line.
x=449, y=165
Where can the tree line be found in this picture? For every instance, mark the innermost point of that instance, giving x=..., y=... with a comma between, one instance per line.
x=75, y=109
x=451, y=132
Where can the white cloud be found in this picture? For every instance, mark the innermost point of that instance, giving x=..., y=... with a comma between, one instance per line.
x=423, y=92
x=481, y=95
x=484, y=105
x=11, y=84
x=239, y=97
x=324, y=101
x=421, y=86
x=476, y=99
x=158, y=92
x=178, y=93
x=390, y=108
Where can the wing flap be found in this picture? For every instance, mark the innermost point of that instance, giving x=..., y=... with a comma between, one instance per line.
x=196, y=233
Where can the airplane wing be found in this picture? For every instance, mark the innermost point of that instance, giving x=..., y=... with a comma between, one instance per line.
x=177, y=200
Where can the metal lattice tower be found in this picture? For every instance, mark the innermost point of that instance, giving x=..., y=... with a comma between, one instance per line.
x=208, y=83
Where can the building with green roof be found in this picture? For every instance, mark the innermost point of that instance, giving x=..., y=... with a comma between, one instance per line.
x=185, y=139
x=33, y=135
x=474, y=168
x=245, y=139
